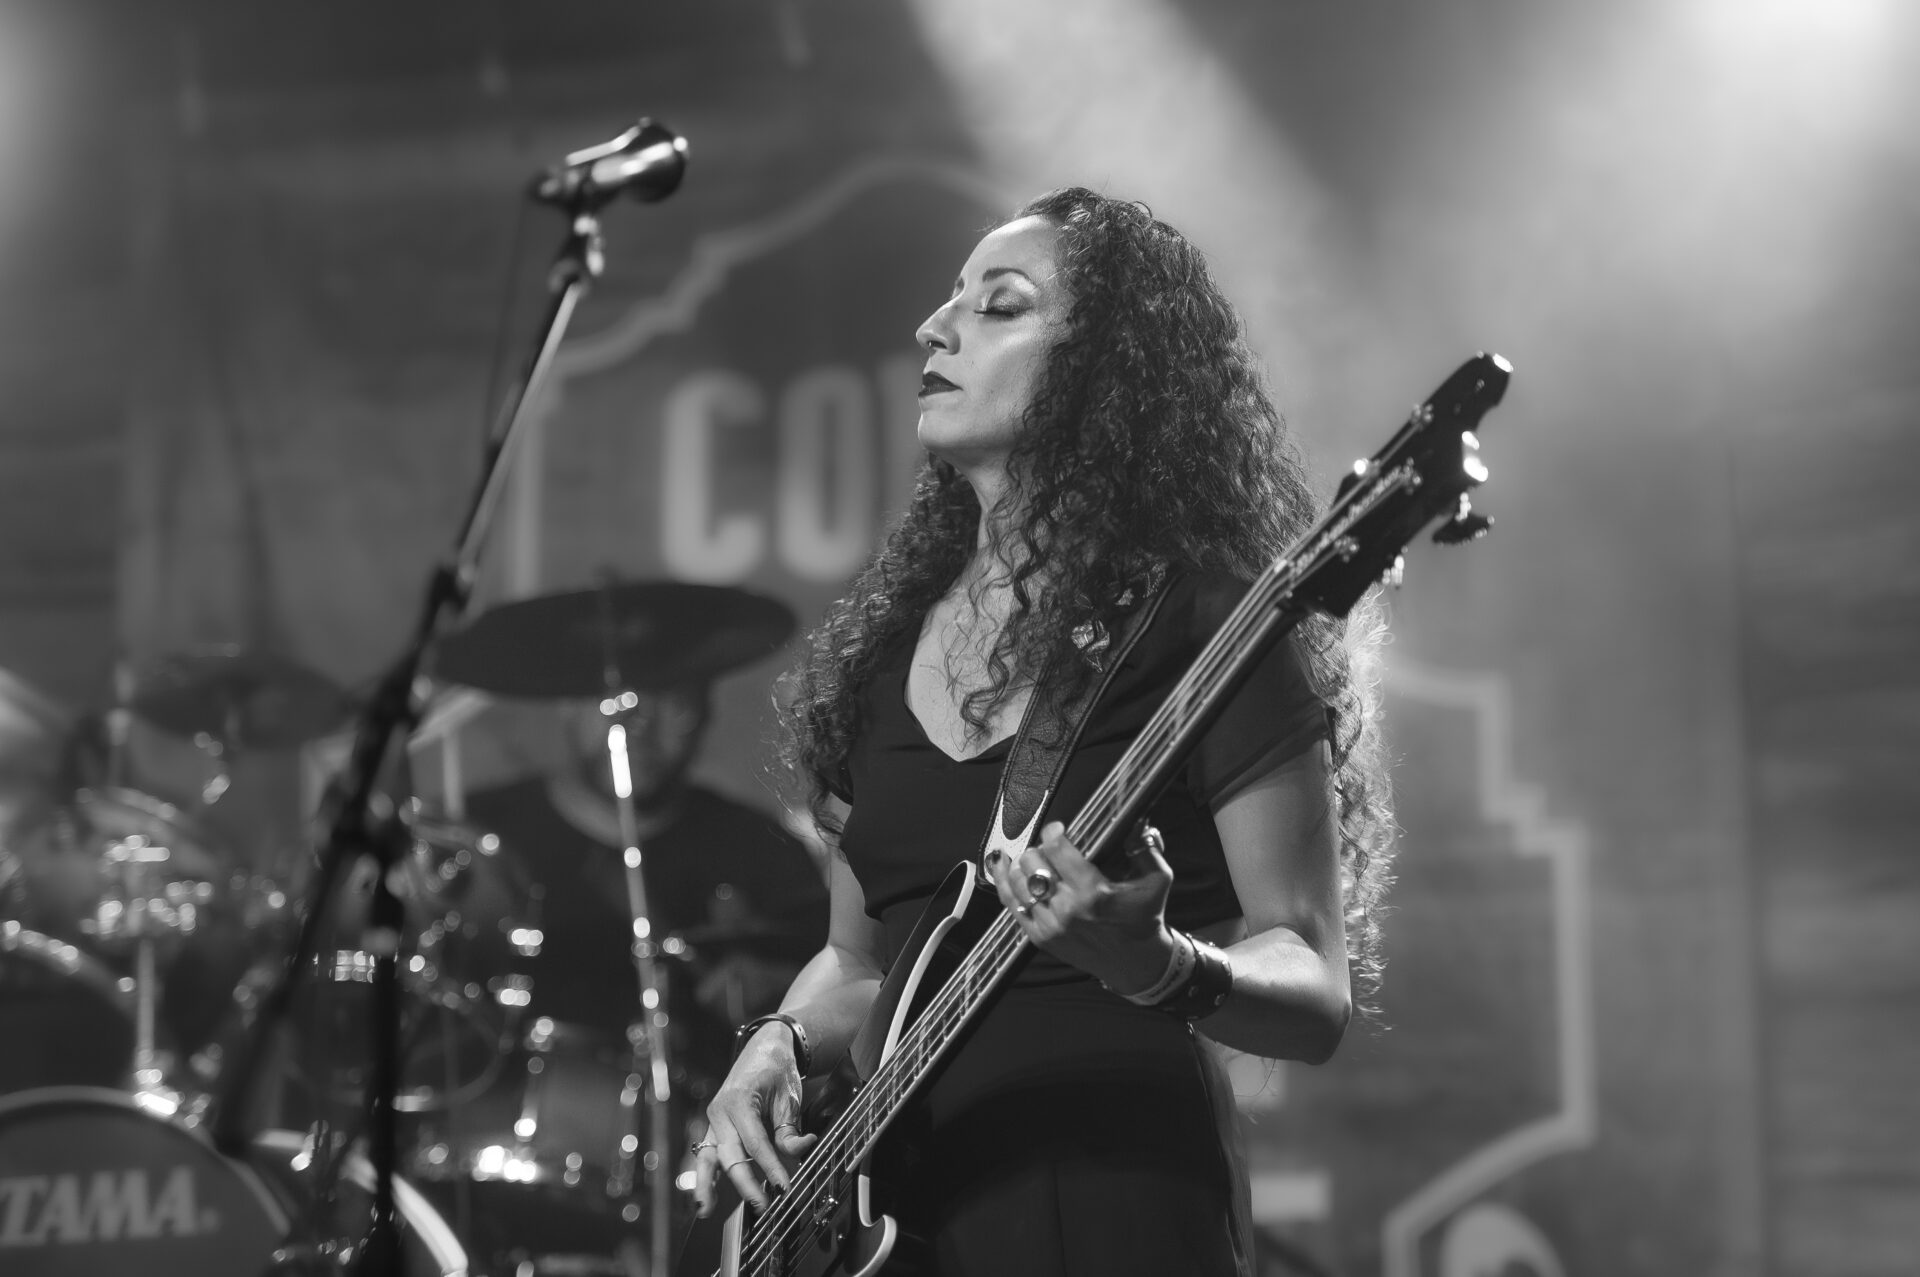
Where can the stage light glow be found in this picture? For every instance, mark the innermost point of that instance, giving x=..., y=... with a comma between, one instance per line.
x=27, y=68
x=617, y=750
x=1173, y=127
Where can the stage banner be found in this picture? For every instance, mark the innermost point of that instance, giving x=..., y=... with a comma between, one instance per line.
x=332, y=286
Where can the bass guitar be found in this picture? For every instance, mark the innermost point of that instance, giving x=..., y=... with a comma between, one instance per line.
x=964, y=946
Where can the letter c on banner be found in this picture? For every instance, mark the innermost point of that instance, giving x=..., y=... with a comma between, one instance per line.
x=696, y=544
x=828, y=474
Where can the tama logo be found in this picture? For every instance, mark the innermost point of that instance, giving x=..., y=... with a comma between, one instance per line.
x=103, y=1206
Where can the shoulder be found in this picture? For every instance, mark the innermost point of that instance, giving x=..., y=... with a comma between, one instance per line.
x=1198, y=605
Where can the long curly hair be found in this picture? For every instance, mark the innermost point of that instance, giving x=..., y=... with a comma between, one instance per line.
x=1150, y=444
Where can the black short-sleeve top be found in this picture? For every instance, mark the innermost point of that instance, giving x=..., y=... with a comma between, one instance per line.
x=916, y=811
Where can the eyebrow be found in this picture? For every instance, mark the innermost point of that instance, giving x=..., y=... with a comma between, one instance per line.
x=990, y=274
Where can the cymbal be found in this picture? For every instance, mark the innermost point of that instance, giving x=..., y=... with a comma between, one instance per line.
x=114, y=815
x=645, y=634
x=241, y=697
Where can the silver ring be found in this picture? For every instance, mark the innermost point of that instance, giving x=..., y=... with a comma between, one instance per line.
x=695, y=1148
x=1040, y=884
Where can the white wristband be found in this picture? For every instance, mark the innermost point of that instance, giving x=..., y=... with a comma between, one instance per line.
x=1180, y=965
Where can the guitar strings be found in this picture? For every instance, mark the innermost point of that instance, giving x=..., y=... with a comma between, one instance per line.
x=962, y=994
x=992, y=957
x=846, y=1142
x=1000, y=945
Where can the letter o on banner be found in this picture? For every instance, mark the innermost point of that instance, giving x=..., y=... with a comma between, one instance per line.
x=1491, y=1238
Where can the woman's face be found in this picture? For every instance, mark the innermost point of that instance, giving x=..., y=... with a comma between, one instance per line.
x=987, y=345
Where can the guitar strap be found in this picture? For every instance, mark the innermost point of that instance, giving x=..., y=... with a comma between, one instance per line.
x=1049, y=731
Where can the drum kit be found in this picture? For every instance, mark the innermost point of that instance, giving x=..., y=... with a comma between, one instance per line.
x=135, y=949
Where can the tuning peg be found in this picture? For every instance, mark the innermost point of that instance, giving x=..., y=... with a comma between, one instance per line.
x=1465, y=525
x=1396, y=572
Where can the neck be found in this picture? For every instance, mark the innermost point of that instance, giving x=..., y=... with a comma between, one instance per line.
x=986, y=474
x=995, y=515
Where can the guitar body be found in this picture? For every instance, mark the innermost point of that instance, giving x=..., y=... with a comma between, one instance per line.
x=851, y=1237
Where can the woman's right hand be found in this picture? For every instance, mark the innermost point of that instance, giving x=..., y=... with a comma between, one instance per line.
x=753, y=1124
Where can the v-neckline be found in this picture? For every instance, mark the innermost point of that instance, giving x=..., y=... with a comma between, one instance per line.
x=906, y=707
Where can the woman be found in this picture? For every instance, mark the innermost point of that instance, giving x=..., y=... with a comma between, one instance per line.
x=1097, y=430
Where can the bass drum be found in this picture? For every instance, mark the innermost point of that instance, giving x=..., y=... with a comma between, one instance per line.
x=64, y=1016
x=93, y=1185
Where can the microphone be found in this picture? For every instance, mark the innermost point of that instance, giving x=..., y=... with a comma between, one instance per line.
x=647, y=161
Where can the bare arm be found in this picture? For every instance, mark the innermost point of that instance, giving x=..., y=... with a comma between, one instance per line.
x=831, y=994
x=752, y=1122
x=1291, y=993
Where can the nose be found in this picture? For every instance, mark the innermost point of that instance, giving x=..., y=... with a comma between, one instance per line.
x=936, y=330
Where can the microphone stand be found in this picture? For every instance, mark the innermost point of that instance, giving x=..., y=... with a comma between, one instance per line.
x=647, y=1038
x=395, y=710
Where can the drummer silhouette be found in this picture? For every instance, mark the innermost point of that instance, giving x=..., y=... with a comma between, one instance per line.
x=734, y=906
x=629, y=668
x=734, y=887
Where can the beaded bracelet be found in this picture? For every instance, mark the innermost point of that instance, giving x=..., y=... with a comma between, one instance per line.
x=802, y=1050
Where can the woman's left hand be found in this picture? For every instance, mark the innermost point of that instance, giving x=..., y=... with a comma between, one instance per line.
x=1114, y=931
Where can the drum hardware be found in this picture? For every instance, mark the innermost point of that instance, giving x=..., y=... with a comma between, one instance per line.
x=226, y=698
x=141, y=902
x=541, y=1172
x=123, y=907
x=472, y=928
x=613, y=642
x=564, y=1118
x=144, y=911
x=68, y=1016
x=394, y=711
x=100, y=1183
x=110, y=813
x=618, y=702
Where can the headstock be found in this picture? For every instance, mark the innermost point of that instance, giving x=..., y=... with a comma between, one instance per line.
x=1427, y=471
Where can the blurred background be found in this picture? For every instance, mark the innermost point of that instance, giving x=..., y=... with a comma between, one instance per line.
x=1653, y=995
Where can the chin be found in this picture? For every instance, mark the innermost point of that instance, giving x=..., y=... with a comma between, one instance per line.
x=942, y=449
x=961, y=448
x=935, y=434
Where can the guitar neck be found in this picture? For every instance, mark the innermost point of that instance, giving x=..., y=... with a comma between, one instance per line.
x=1261, y=620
